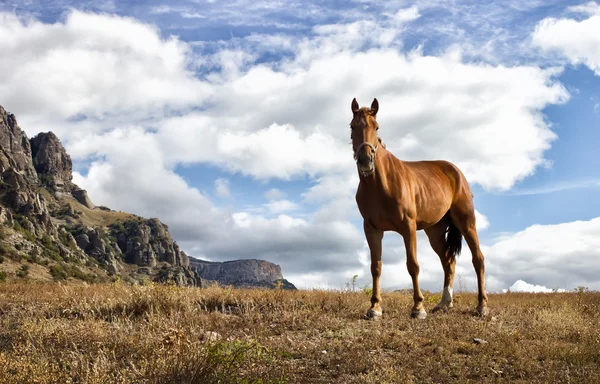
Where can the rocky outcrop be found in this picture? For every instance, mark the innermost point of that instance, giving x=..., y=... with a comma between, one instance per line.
x=82, y=197
x=51, y=160
x=241, y=273
x=55, y=168
x=147, y=243
x=15, y=150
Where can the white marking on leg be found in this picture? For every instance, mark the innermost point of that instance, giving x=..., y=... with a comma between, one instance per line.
x=447, y=296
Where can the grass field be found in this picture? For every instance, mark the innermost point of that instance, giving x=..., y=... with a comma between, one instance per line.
x=116, y=333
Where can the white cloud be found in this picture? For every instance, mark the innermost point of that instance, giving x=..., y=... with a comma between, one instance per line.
x=280, y=206
x=589, y=8
x=222, y=187
x=92, y=65
x=522, y=286
x=293, y=120
x=578, y=41
x=481, y=221
x=406, y=14
x=557, y=255
x=298, y=245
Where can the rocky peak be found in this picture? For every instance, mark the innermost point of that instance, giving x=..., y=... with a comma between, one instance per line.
x=52, y=161
x=15, y=150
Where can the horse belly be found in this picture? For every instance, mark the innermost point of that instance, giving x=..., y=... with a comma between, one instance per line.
x=432, y=213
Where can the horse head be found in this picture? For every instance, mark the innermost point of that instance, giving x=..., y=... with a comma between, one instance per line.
x=365, y=141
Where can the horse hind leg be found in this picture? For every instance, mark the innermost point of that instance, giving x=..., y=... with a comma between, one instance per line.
x=440, y=245
x=463, y=216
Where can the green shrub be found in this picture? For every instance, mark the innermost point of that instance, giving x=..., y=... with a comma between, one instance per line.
x=2, y=276
x=23, y=271
x=6, y=250
x=58, y=272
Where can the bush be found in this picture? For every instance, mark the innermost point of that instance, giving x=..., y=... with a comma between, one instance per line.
x=2, y=276
x=58, y=273
x=6, y=250
x=23, y=271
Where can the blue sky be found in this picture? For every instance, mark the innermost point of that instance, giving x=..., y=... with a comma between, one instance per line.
x=229, y=121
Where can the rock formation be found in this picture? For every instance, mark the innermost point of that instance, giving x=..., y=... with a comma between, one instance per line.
x=241, y=273
x=47, y=219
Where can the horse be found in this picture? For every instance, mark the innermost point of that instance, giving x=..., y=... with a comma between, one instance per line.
x=408, y=196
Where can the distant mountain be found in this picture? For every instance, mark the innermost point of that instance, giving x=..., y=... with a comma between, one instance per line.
x=50, y=229
x=242, y=273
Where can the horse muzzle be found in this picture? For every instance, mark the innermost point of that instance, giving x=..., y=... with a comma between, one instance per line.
x=365, y=163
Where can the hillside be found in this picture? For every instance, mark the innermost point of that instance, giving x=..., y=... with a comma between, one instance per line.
x=51, y=230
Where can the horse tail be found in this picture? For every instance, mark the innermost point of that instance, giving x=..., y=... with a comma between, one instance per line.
x=453, y=239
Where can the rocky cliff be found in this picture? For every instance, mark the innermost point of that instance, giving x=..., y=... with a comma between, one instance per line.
x=242, y=273
x=50, y=229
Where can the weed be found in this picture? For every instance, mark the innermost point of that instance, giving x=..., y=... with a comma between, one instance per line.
x=23, y=271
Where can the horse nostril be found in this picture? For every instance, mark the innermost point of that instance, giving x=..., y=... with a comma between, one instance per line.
x=365, y=159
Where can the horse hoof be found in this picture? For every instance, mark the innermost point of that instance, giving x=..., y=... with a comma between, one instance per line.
x=483, y=311
x=420, y=314
x=373, y=315
x=441, y=307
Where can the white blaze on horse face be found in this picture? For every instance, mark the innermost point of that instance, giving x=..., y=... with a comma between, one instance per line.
x=363, y=121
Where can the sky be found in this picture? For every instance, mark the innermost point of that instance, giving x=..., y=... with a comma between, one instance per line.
x=229, y=121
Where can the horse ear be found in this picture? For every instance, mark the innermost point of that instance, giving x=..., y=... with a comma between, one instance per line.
x=374, y=107
x=355, y=106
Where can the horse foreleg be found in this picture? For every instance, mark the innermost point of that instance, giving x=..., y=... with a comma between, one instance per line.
x=374, y=238
x=410, y=243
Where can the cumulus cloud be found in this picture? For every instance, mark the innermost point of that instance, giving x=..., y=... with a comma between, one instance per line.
x=481, y=221
x=92, y=66
x=576, y=40
x=299, y=245
x=280, y=206
x=278, y=122
x=557, y=255
x=522, y=286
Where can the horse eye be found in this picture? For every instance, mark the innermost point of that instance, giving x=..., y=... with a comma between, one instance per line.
x=377, y=128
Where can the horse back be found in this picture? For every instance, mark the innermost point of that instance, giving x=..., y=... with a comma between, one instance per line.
x=438, y=176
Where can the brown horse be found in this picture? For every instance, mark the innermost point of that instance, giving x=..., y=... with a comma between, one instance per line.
x=407, y=196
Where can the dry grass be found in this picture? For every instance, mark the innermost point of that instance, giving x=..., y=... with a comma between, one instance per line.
x=96, y=217
x=52, y=333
